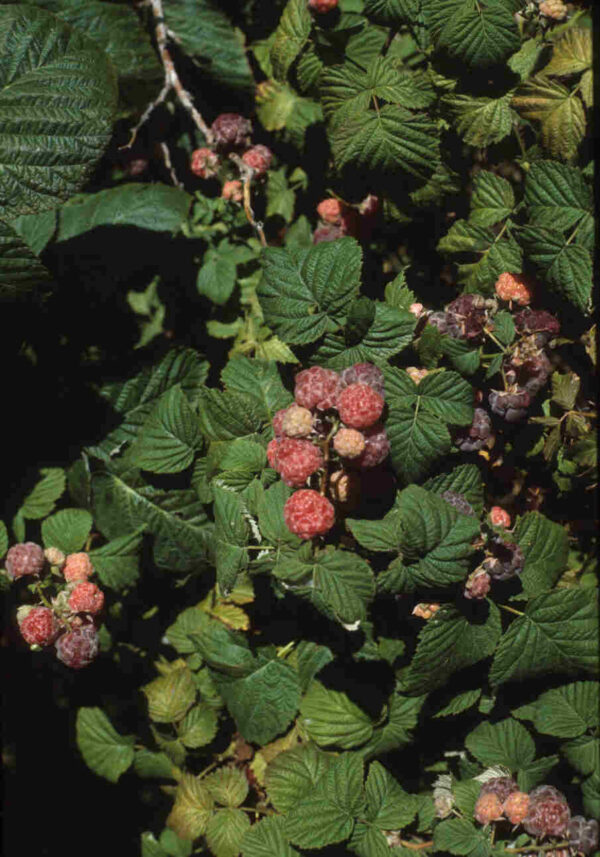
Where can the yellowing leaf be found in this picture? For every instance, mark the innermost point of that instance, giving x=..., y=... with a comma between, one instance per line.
x=192, y=809
x=572, y=53
x=559, y=111
x=170, y=696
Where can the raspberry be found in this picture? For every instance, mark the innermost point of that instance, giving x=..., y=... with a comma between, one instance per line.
x=259, y=159
x=425, y=611
x=317, y=388
x=272, y=452
x=204, y=163
x=416, y=375
x=540, y=322
x=330, y=211
x=348, y=443
x=344, y=488
x=321, y=7
x=554, y=9
x=86, y=598
x=296, y=460
x=38, y=625
x=507, y=561
x=512, y=406
x=583, y=835
x=534, y=373
x=308, y=514
x=478, y=585
x=78, y=648
x=458, y=502
x=488, y=808
x=416, y=309
x=277, y=421
x=499, y=517
x=515, y=807
x=77, y=567
x=475, y=436
x=327, y=233
x=231, y=131
x=467, y=316
x=363, y=373
x=369, y=206
x=548, y=813
x=232, y=191
x=297, y=421
x=55, y=557
x=377, y=447
x=24, y=559
x=359, y=406
x=502, y=787
x=514, y=287
x=439, y=320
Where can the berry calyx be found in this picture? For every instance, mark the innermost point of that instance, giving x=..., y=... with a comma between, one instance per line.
x=295, y=460
x=515, y=807
x=349, y=443
x=359, y=406
x=38, y=625
x=514, y=287
x=499, y=517
x=259, y=159
x=297, y=421
x=78, y=566
x=233, y=191
x=488, y=808
x=548, y=813
x=231, y=131
x=317, y=388
x=25, y=559
x=78, y=648
x=86, y=598
x=204, y=163
x=308, y=514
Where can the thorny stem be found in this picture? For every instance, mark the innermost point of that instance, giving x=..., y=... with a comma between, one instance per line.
x=172, y=81
x=246, y=174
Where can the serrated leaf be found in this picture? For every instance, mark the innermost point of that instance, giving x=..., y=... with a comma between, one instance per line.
x=465, y=479
x=567, y=268
x=402, y=718
x=572, y=53
x=270, y=516
x=389, y=807
x=222, y=649
x=290, y=37
x=504, y=327
x=459, y=703
x=560, y=112
x=228, y=786
x=498, y=253
x=557, y=195
x=531, y=775
x=558, y=633
x=293, y=774
x=225, y=832
x=21, y=272
x=460, y=836
x=545, y=546
x=229, y=414
x=62, y=90
x=567, y=711
x=475, y=33
x=444, y=394
x=198, y=727
x=266, y=839
x=417, y=440
x=480, y=121
x=169, y=437
x=493, y=199
x=170, y=696
x=3, y=539
x=231, y=537
x=192, y=810
x=392, y=11
x=67, y=530
x=330, y=718
x=505, y=743
x=42, y=498
x=258, y=379
x=305, y=293
x=153, y=765
x=280, y=197
x=116, y=563
x=583, y=753
x=382, y=535
x=310, y=658
x=104, y=751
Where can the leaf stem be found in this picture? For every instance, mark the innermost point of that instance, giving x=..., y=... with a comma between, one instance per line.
x=511, y=609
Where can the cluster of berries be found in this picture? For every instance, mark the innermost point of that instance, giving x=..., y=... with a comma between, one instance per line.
x=504, y=559
x=542, y=812
x=68, y=619
x=335, y=420
x=337, y=219
x=232, y=135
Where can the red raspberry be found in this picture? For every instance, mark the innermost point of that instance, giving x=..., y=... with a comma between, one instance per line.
x=277, y=421
x=515, y=807
x=344, y=488
x=583, y=835
x=488, y=808
x=502, y=787
x=55, y=557
x=330, y=211
x=514, y=287
x=233, y=191
x=78, y=567
x=86, y=598
x=478, y=585
x=78, y=648
x=317, y=388
x=231, y=131
x=548, y=813
x=308, y=514
x=296, y=460
x=259, y=159
x=364, y=373
x=24, y=559
x=499, y=517
x=377, y=447
x=359, y=406
x=38, y=625
x=297, y=422
x=327, y=233
x=204, y=163
x=272, y=453
x=321, y=7
x=349, y=443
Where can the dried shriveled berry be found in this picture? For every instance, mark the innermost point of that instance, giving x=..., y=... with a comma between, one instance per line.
x=364, y=373
x=478, y=585
x=537, y=321
x=359, y=406
x=24, y=559
x=349, y=443
x=507, y=561
x=548, y=813
x=78, y=648
x=78, y=566
x=308, y=514
x=583, y=835
x=512, y=406
x=502, y=787
x=317, y=388
x=231, y=131
x=377, y=447
x=467, y=314
x=474, y=437
x=488, y=808
x=38, y=625
x=515, y=807
x=204, y=163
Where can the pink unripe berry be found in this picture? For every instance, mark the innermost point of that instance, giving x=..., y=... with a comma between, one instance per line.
x=349, y=443
x=499, y=517
x=416, y=309
x=38, y=625
x=554, y=9
x=233, y=191
x=515, y=807
x=55, y=557
x=204, y=163
x=259, y=159
x=488, y=808
x=321, y=7
x=297, y=421
x=78, y=566
x=308, y=514
x=513, y=287
x=331, y=210
x=86, y=598
x=25, y=559
x=359, y=406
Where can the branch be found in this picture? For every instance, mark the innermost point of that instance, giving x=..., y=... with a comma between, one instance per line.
x=169, y=164
x=246, y=174
x=172, y=81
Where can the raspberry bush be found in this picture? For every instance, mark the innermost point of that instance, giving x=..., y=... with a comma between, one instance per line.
x=301, y=429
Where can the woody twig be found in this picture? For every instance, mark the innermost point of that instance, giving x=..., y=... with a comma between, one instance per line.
x=246, y=175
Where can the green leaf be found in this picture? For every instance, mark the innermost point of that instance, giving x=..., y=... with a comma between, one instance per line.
x=217, y=276
x=583, y=753
x=225, y=832
x=444, y=394
x=228, y=415
x=391, y=140
x=57, y=104
x=293, y=775
x=448, y=643
x=565, y=389
x=504, y=327
x=382, y=535
x=264, y=702
x=67, y=530
x=558, y=633
x=417, y=439
x=505, y=743
x=498, y=253
x=222, y=649
x=402, y=717
x=270, y=516
x=198, y=727
x=21, y=272
x=480, y=121
x=169, y=437
x=3, y=539
x=566, y=711
x=330, y=718
x=567, y=268
x=392, y=11
x=207, y=35
x=557, y=195
x=290, y=37
x=559, y=111
x=231, y=537
x=176, y=519
x=117, y=562
x=135, y=398
x=104, y=751
x=153, y=765
x=459, y=703
x=531, y=775
x=476, y=33
x=545, y=546
x=170, y=696
x=280, y=197
x=309, y=658
x=493, y=199
x=228, y=786
x=389, y=807
x=42, y=499
x=460, y=836
x=258, y=379
x=464, y=479
x=267, y=839
x=305, y=293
